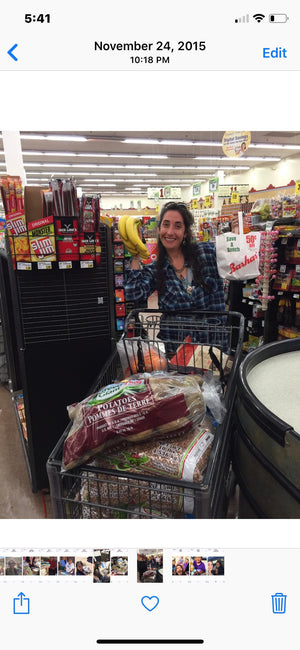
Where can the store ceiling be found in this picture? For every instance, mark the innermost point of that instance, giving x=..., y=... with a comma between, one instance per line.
x=119, y=162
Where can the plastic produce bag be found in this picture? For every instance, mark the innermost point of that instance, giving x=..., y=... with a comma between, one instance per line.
x=213, y=396
x=238, y=254
x=139, y=355
x=135, y=410
x=183, y=457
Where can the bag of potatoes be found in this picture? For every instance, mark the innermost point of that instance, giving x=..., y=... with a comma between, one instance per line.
x=136, y=409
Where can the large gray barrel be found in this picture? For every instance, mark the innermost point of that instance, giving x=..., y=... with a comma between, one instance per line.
x=266, y=454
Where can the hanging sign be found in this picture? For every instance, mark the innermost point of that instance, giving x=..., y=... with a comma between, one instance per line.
x=167, y=192
x=207, y=201
x=213, y=184
x=196, y=189
x=194, y=204
x=235, y=197
x=236, y=143
x=297, y=187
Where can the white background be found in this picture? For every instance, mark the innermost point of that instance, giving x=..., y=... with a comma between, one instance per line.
x=140, y=100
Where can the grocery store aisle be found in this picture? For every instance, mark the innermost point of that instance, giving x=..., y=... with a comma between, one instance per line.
x=16, y=497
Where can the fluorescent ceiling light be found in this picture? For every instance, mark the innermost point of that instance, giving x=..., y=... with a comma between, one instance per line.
x=266, y=145
x=140, y=141
x=252, y=158
x=98, y=184
x=57, y=138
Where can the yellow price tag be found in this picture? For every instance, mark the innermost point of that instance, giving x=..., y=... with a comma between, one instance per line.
x=297, y=187
x=195, y=204
x=235, y=197
x=207, y=201
x=157, y=208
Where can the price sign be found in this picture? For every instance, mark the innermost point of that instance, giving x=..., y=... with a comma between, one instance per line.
x=44, y=266
x=86, y=264
x=207, y=202
x=24, y=266
x=235, y=197
x=195, y=204
x=297, y=187
x=157, y=209
x=64, y=265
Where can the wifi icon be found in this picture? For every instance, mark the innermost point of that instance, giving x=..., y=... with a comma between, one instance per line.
x=258, y=17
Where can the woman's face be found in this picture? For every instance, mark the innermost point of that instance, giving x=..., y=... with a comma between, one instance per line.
x=172, y=230
x=179, y=570
x=209, y=565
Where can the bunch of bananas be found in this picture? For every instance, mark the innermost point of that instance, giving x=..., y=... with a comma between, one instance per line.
x=130, y=232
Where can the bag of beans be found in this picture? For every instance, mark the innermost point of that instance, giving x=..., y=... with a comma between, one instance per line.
x=183, y=457
x=135, y=409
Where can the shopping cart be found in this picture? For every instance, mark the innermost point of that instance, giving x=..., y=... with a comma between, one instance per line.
x=189, y=343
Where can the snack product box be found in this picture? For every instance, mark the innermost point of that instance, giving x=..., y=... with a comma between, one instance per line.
x=67, y=248
x=33, y=202
x=42, y=248
x=22, y=249
x=16, y=223
x=41, y=227
x=66, y=226
x=87, y=246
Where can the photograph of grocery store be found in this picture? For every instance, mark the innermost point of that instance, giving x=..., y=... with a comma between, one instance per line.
x=168, y=257
x=101, y=566
x=1, y=566
x=119, y=566
x=150, y=565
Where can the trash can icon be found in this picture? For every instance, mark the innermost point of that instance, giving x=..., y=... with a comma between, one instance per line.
x=278, y=603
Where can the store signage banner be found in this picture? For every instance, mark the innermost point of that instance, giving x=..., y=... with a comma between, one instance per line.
x=207, y=201
x=297, y=187
x=196, y=189
x=213, y=184
x=236, y=143
x=195, y=204
x=225, y=191
x=235, y=197
x=167, y=192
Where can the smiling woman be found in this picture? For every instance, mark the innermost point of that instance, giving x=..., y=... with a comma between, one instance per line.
x=185, y=274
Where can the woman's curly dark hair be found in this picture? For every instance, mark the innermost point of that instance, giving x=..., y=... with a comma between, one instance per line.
x=189, y=248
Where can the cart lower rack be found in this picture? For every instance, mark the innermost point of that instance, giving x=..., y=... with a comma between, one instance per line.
x=181, y=342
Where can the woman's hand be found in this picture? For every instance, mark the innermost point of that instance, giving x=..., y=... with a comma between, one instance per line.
x=135, y=263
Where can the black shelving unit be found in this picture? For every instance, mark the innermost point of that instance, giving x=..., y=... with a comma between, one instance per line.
x=64, y=332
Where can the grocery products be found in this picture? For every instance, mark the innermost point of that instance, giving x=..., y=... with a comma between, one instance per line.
x=135, y=409
x=182, y=457
x=129, y=230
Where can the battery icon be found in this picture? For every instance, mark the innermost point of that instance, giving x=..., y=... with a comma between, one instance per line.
x=278, y=18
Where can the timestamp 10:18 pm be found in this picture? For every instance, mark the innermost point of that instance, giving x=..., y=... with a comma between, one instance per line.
x=149, y=59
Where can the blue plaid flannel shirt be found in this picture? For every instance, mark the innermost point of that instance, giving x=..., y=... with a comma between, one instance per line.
x=141, y=284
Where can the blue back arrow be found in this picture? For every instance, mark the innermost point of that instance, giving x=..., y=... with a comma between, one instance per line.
x=10, y=52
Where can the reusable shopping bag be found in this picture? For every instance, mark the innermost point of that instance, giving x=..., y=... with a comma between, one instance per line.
x=238, y=254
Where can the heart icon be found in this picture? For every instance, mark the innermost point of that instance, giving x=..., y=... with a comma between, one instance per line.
x=150, y=602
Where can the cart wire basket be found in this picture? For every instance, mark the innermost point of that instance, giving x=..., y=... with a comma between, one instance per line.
x=193, y=342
